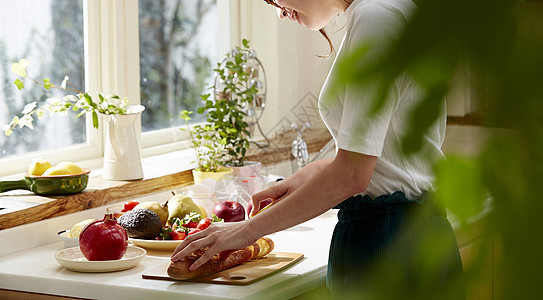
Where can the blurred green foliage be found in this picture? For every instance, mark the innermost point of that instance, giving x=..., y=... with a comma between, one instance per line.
x=505, y=54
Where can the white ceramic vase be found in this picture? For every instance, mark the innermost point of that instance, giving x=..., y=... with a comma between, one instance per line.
x=122, y=158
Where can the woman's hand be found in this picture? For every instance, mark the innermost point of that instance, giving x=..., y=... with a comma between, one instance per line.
x=274, y=194
x=218, y=237
x=285, y=187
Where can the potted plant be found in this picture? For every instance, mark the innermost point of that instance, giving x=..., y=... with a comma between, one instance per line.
x=209, y=148
x=235, y=90
x=122, y=159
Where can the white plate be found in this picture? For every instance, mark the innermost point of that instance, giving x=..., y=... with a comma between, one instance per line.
x=73, y=259
x=156, y=244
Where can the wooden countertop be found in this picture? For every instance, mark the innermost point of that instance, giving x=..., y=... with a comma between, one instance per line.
x=163, y=172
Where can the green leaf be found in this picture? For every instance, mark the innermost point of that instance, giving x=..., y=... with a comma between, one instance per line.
x=20, y=68
x=460, y=187
x=245, y=43
x=422, y=117
x=184, y=114
x=89, y=100
x=94, y=119
x=20, y=85
x=47, y=84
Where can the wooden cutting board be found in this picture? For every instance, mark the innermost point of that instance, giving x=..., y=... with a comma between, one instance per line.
x=243, y=274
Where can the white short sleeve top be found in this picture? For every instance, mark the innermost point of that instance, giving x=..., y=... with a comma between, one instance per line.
x=347, y=109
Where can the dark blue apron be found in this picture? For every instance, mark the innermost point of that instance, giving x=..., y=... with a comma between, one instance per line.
x=392, y=247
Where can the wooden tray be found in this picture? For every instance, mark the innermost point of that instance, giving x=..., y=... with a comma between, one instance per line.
x=243, y=274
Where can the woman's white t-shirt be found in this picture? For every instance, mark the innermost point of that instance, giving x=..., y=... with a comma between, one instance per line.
x=346, y=108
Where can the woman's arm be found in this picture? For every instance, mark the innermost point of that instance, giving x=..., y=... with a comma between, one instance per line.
x=287, y=186
x=347, y=174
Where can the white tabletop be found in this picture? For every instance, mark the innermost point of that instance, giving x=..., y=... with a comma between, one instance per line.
x=34, y=268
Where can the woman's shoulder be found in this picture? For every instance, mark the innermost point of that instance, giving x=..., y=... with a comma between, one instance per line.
x=376, y=9
x=378, y=19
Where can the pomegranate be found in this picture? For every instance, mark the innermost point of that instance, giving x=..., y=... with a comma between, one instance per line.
x=103, y=239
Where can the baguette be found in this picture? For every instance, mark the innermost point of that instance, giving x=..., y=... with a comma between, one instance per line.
x=179, y=270
x=266, y=246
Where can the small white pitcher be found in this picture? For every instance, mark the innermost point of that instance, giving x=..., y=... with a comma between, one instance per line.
x=122, y=159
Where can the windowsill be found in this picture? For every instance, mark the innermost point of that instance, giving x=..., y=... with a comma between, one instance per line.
x=161, y=173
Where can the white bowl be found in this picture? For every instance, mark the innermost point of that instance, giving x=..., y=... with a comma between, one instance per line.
x=69, y=241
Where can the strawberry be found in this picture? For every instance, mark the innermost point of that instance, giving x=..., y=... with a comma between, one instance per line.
x=178, y=235
x=204, y=223
x=190, y=224
x=190, y=220
x=129, y=205
x=194, y=230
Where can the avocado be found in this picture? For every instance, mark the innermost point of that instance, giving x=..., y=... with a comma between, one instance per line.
x=161, y=209
x=141, y=223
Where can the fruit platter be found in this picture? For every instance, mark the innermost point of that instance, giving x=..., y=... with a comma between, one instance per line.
x=119, y=239
x=162, y=226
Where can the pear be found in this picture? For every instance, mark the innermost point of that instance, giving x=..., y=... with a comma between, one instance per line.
x=161, y=209
x=179, y=206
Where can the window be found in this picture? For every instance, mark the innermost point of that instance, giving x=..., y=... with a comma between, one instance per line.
x=178, y=50
x=96, y=43
x=49, y=34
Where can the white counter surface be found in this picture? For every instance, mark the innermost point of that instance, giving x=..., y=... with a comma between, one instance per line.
x=27, y=263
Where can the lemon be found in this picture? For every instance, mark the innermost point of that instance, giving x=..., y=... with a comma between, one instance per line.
x=78, y=227
x=203, y=214
x=265, y=207
x=53, y=171
x=75, y=169
x=38, y=166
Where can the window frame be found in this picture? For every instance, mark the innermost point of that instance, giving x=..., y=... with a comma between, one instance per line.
x=93, y=146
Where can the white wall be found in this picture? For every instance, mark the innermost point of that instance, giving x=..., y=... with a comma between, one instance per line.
x=288, y=52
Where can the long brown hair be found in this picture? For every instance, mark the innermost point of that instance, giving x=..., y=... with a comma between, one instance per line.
x=322, y=31
x=332, y=49
x=325, y=35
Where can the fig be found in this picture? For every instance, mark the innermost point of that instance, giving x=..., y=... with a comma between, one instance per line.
x=103, y=239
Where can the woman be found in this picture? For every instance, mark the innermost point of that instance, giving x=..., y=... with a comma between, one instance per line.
x=386, y=220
